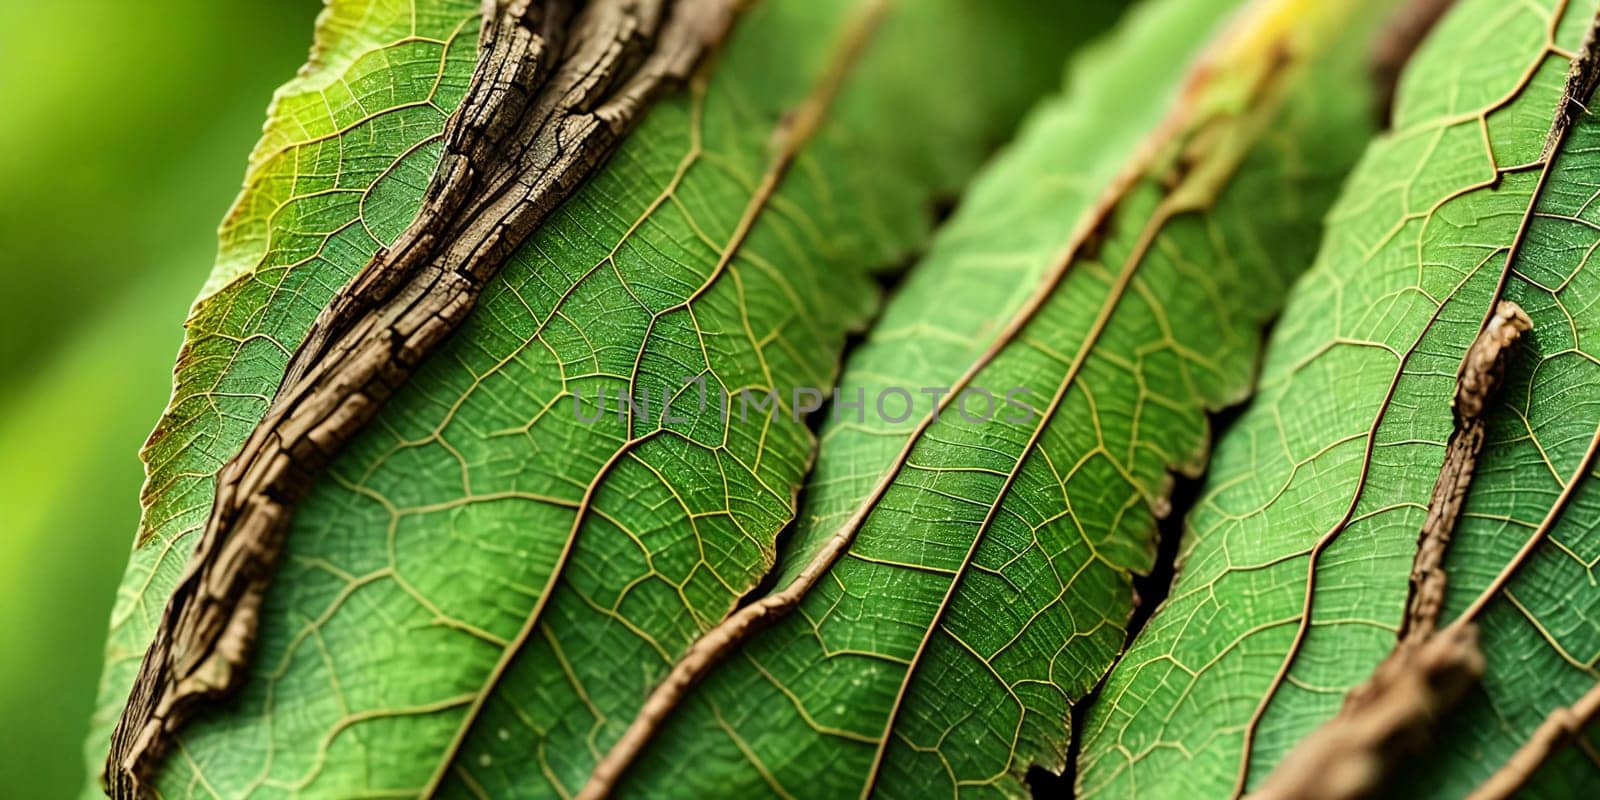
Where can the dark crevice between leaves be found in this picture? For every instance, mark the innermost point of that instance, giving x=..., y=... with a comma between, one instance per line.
x=1150, y=590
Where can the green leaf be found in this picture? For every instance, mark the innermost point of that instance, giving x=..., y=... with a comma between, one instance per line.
x=1570, y=771
x=347, y=147
x=484, y=586
x=1522, y=566
x=1293, y=573
x=1117, y=265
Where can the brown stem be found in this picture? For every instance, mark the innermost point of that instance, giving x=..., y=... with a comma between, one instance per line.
x=1476, y=383
x=557, y=85
x=1577, y=78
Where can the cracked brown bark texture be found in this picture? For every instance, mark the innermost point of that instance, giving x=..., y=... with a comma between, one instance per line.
x=557, y=85
x=1476, y=383
x=1393, y=714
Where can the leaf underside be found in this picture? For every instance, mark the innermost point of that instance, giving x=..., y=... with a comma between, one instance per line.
x=1293, y=571
x=475, y=566
x=483, y=589
x=339, y=170
x=988, y=586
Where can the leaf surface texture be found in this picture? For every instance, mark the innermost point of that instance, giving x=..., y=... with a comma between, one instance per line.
x=1117, y=263
x=483, y=585
x=1293, y=572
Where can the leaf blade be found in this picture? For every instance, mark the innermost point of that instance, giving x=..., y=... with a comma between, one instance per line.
x=361, y=552
x=828, y=682
x=375, y=93
x=1323, y=504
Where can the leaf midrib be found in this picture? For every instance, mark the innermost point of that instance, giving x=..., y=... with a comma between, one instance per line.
x=1102, y=319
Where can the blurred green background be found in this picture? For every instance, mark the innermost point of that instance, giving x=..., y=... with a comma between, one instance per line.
x=124, y=128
